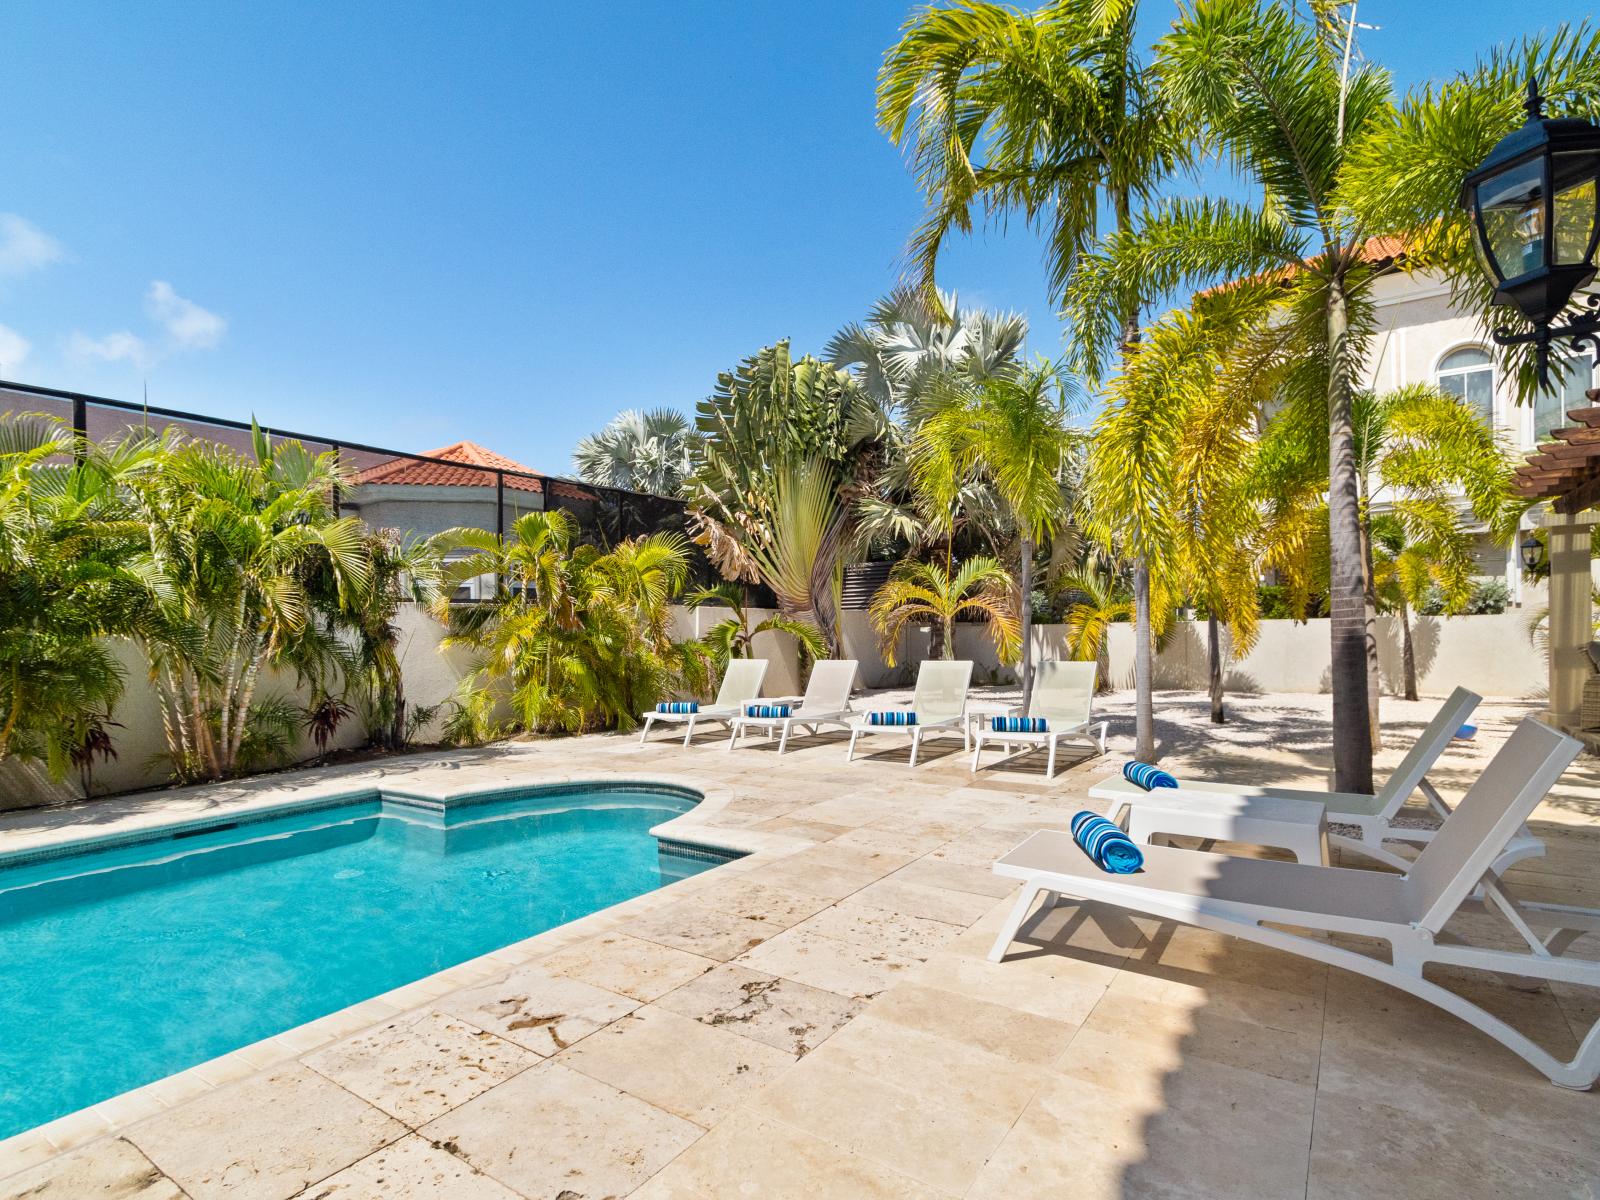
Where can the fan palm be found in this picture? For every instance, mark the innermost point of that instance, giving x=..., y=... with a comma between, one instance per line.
x=1046, y=114
x=649, y=451
x=918, y=592
x=909, y=339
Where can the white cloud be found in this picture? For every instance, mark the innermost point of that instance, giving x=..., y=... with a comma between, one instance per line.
x=190, y=326
x=114, y=347
x=25, y=247
x=13, y=349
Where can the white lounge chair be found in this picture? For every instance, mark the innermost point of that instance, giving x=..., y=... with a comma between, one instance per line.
x=826, y=702
x=939, y=705
x=741, y=683
x=1372, y=815
x=1248, y=897
x=1063, y=694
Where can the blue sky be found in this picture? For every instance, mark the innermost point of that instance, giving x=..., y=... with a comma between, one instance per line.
x=409, y=224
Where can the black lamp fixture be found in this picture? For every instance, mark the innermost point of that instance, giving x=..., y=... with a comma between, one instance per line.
x=1532, y=551
x=1535, y=207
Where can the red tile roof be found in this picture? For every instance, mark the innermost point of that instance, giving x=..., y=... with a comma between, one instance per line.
x=417, y=473
x=1381, y=252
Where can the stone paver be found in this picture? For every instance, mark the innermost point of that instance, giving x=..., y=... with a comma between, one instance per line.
x=820, y=1019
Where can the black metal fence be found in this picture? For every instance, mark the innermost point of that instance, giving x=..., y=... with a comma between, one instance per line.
x=416, y=493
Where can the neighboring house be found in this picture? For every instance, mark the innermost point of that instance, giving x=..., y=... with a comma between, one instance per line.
x=1422, y=338
x=425, y=496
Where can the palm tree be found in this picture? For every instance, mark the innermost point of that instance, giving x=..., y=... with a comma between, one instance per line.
x=918, y=592
x=574, y=638
x=1405, y=573
x=72, y=575
x=1047, y=114
x=734, y=636
x=650, y=451
x=1269, y=91
x=1095, y=602
x=1011, y=430
x=257, y=572
x=909, y=339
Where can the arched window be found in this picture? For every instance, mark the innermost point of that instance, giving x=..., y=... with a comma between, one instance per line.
x=1469, y=373
x=1550, y=407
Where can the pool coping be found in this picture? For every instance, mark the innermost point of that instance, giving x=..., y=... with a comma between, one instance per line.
x=754, y=848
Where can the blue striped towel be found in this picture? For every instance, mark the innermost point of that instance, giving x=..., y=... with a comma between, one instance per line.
x=678, y=707
x=1467, y=732
x=766, y=710
x=1019, y=725
x=898, y=716
x=1144, y=775
x=1111, y=849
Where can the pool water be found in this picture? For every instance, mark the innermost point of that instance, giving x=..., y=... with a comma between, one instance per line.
x=120, y=966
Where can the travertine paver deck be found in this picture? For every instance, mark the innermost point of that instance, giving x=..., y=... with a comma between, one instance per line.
x=819, y=1020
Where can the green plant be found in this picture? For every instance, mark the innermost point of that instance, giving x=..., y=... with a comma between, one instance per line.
x=650, y=451
x=1011, y=430
x=918, y=592
x=734, y=636
x=1051, y=115
x=574, y=639
x=1094, y=602
x=1407, y=572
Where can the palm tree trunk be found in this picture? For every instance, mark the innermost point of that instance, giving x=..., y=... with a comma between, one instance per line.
x=1370, y=590
x=1214, y=657
x=1025, y=581
x=1352, y=734
x=947, y=634
x=1144, y=719
x=1408, y=656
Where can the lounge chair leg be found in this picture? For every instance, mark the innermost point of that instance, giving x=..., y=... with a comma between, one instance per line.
x=851, y=753
x=648, y=721
x=977, y=750
x=783, y=740
x=1019, y=914
x=734, y=730
x=1050, y=763
x=688, y=731
x=916, y=741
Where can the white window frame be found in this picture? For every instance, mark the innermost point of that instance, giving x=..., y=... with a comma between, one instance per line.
x=1440, y=371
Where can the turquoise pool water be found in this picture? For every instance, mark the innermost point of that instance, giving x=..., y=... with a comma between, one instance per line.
x=120, y=966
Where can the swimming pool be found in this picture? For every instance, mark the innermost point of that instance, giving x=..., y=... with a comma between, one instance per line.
x=121, y=965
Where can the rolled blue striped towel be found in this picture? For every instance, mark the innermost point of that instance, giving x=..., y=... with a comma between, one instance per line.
x=766, y=710
x=1466, y=733
x=678, y=707
x=897, y=716
x=1019, y=724
x=1111, y=849
x=1143, y=775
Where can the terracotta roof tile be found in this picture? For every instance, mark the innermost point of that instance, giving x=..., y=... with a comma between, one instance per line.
x=417, y=473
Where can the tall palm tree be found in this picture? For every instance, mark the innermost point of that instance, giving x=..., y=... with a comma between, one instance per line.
x=649, y=451
x=1270, y=92
x=1012, y=430
x=1046, y=114
x=918, y=592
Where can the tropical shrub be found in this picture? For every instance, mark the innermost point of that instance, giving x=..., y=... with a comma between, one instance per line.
x=575, y=638
x=648, y=451
x=918, y=593
x=734, y=636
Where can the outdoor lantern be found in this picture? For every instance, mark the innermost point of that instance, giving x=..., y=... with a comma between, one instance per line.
x=1535, y=209
x=1531, y=551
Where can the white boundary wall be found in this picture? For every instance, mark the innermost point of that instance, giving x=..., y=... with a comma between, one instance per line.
x=1491, y=655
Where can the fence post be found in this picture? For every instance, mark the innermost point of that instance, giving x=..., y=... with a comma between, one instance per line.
x=80, y=424
x=337, y=460
x=500, y=504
